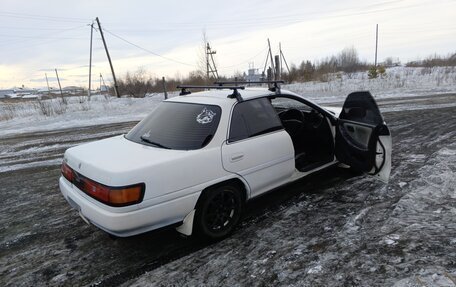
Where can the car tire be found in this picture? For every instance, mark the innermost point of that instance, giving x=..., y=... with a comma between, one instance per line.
x=218, y=212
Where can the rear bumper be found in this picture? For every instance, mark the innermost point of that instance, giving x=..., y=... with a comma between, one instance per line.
x=131, y=222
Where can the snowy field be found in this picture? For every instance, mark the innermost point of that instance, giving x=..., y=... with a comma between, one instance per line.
x=28, y=116
x=398, y=82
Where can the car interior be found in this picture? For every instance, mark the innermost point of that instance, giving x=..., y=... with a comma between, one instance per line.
x=309, y=131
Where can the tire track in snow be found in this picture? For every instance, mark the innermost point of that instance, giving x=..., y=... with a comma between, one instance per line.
x=47, y=148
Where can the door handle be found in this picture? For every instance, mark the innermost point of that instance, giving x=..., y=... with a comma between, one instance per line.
x=236, y=157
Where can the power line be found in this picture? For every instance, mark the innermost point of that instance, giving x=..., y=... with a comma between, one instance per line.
x=270, y=19
x=40, y=37
x=147, y=50
x=282, y=19
x=30, y=28
x=245, y=22
x=43, y=36
x=42, y=17
x=245, y=61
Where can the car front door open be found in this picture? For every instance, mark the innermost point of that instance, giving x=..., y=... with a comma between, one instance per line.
x=363, y=141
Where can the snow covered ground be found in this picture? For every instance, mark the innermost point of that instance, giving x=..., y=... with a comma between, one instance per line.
x=398, y=82
x=332, y=229
x=27, y=116
x=351, y=232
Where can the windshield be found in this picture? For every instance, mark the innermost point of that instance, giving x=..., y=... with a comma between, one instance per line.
x=180, y=126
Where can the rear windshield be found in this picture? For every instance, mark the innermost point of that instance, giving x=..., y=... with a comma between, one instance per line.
x=180, y=126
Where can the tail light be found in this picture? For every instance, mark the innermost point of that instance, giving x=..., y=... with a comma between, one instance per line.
x=67, y=172
x=113, y=196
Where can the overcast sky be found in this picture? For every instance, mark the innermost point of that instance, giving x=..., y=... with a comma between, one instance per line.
x=38, y=36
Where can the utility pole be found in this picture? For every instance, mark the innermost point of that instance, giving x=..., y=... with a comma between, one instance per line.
x=269, y=75
x=281, y=64
x=207, y=60
x=164, y=88
x=376, y=44
x=60, y=87
x=47, y=82
x=284, y=60
x=104, y=85
x=265, y=65
x=116, y=88
x=210, y=68
x=277, y=68
x=270, y=54
x=102, y=80
x=90, y=61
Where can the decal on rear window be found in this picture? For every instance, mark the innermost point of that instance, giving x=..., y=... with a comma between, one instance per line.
x=205, y=117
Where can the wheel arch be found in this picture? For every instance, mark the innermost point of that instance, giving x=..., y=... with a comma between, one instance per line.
x=242, y=185
x=187, y=225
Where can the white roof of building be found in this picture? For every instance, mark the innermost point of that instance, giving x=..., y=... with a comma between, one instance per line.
x=30, y=96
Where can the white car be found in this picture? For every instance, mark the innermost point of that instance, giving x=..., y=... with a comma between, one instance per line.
x=197, y=158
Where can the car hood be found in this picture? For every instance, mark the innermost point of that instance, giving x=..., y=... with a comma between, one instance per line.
x=117, y=161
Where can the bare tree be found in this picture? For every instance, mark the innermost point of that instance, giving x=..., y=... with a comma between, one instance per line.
x=348, y=60
x=201, y=64
x=137, y=84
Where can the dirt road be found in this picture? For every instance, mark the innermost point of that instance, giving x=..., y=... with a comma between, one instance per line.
x=333, y=229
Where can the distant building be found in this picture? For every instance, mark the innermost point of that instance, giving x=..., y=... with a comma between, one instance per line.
x=20, y=93
x=73, y=90
x=13, y=96
x=24, y=91
x=104, y=88
x=252, y=75
x=5, y=93
x=43, y=91
x=31, y=96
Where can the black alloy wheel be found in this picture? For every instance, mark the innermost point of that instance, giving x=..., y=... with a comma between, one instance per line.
x=219, y=211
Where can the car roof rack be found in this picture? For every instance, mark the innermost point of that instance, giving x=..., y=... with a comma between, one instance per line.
x=234, y=95
x=274, y=86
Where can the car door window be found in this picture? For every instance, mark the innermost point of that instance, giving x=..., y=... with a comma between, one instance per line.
x=282, y=104
x=361, y=107
x=252, y=118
